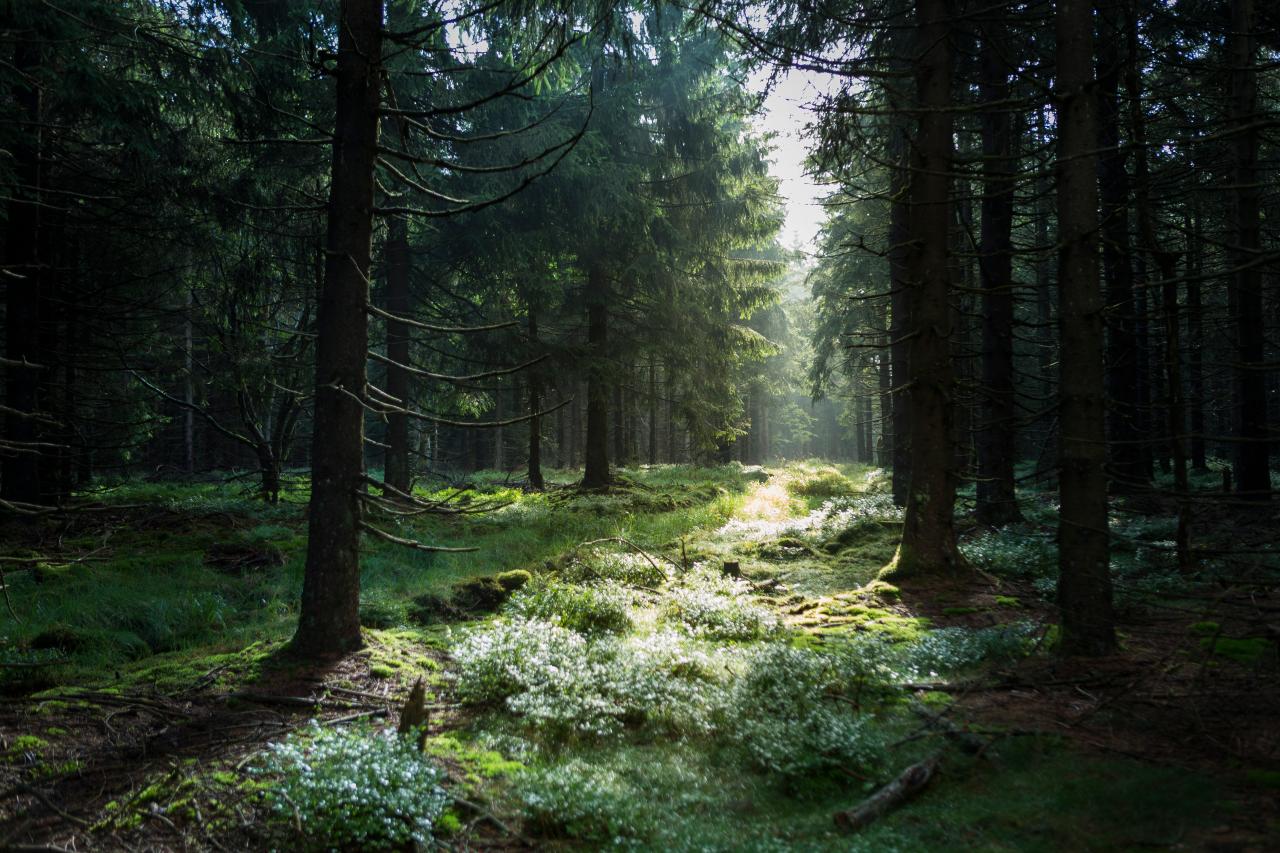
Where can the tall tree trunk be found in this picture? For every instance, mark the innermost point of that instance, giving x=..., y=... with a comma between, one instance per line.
x=1046, y=349
x=20, y=465
x=329, y=622
x=189, y=389
x=396, y=465
x=1084, y=580
x=618, y=429
x=997, y=502
x=653, y=410
x=499, y=458
x=1251, y=462
x=859, y=430
x=1195, y=333
x=928, y=531
x=535, y=404
x=1166, y=263
x=900, y=311
x=1130, y=462
x=869, y=419
x=596, y=464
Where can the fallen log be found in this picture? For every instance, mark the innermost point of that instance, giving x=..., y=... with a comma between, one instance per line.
x=909, y=783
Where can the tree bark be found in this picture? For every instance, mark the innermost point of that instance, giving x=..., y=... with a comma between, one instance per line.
x=928, y=533
x=1251, y=462
x=1084, y=581
x=595, y=473
x=535, y=405
x=1195, y=333
x=1130, y=462
x=653, y=410
x=329, y=622
x=900, y=309
x=997, y=502
x=396, y=465
x=20, y=466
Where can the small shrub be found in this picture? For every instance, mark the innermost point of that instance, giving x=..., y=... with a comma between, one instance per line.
x=791, y=714
x=709, y=604
x=824, y=482
x=354, y=788
x=564, y=683
x=954, y=649
x=586, y=802
x=626, y=568
x=594, y=609
x=380, y=613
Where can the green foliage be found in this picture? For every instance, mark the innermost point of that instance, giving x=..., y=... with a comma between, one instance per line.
x=354, y=788
x=708, y=604
x=822, y=481
x=565, y=684
x=587, y=609
x=951, y=650
x=791, y=711
x=584, y=801
x=1248, y=650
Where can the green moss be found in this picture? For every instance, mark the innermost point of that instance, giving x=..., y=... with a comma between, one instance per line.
x=1246, y=651
x=1264, y=778
x=448, y=824
x=60, y=768
x=1007, y=601
x=1205, y=629
x=213, y=668
x=478, y=763
x=960, y=611
x=55, y=731
x=884, y=589
x=24, y=745
x=480, y=595
x=401, y=654
x=514, y=579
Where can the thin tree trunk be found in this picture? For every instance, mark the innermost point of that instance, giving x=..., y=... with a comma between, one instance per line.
x=653, y=410
x=884, y=447
x=499, y=447
x=997, y=502
x=900, y=310
x=1251, y=462
x=396, y=463
x=1130, y=463
x=1195, y=333
x=20, y=465
x=1044, y=314
x=596, y=468
x=329, y=622
x=535, y=404
x=1084, y=583
x=928, y=532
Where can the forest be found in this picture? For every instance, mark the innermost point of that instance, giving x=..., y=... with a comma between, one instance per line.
x=428, y=425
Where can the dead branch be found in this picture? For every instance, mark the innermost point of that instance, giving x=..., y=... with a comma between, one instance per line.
x=907, y=785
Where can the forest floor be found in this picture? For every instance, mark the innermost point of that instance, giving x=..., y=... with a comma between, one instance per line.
x=718, y=668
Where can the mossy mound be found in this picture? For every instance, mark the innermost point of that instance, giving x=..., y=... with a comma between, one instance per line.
x=466, y=598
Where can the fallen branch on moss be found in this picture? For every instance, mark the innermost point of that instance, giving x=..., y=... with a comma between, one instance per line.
x=909, y=783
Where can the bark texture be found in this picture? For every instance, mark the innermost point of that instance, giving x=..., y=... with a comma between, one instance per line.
x=1084, y=583
x=330, y=618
